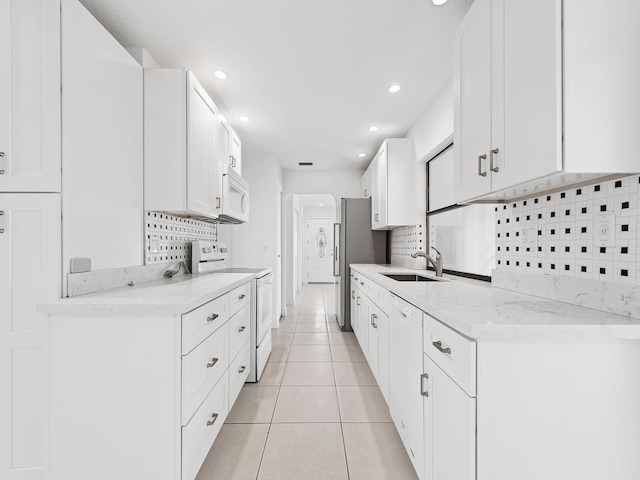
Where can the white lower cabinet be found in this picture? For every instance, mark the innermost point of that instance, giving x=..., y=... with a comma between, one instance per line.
x=378, y=346
x=143, y=395
x=449, y=427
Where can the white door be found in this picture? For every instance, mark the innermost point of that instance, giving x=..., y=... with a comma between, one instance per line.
x=30, y=96
x=472, y=102
x=201, y=191
x=449, y=427
x=320, y=250
x=29, y=274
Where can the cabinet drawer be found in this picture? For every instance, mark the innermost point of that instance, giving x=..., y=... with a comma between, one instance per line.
x=378, y=295
x=202, y=368
x=198, y=324
x=239, y=371
x=239, y=330
x=239, y=297
x=452, y=352
x=198, y=435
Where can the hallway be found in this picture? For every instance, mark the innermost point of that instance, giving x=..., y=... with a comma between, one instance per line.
x=316, y=413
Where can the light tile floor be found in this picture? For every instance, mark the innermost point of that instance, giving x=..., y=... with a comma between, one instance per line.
x=317, y=412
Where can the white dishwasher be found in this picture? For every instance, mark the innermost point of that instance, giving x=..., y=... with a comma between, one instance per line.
x=405, y=399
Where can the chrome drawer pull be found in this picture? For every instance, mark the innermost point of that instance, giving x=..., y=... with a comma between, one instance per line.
x=213, y=362
x=212, y=317
x=438, y=345
x=491, y=167
x=423, y=388
x=214, y=417
x=241, y=296
x=242, y=369
x=480, y=172
x=242, y=329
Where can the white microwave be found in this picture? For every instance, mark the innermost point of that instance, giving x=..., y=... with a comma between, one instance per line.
x=235, y=198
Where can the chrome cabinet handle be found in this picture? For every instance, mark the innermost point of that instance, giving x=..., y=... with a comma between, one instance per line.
x=374, y=317
x=480, y=172
x=491, y=167
x=438, y=345
x=1, y=155
x=358, y=301
x=241, y=296
x=361, y=283
x=214, y=417
x=212, y=317
x=365, y=192
x=377, y=217
x=353, y=294
x=423, y=385
x=242, y=369
x=242, y=328
x=214, y=360
x=1, y=213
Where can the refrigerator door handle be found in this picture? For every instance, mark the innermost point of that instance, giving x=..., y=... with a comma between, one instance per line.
x=336, y=249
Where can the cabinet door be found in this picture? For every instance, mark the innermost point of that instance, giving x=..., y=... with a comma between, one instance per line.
x=30, y=96
x=382, y=328
x=223, y=141
x=379, y=196
x=472, y=102
x=29, y=274
x=528, y=35
x=361, y=319
x=449, y=427
x=202, y=188
x=235, y=148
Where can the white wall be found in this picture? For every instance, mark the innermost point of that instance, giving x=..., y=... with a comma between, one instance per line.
x=434, y=129
x=102, y=142
x=257, y=243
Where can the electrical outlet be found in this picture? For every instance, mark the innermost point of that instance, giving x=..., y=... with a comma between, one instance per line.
x=604, y=228
x=529, y=236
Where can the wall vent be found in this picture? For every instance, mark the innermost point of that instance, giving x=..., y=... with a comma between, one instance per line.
x=305, y=164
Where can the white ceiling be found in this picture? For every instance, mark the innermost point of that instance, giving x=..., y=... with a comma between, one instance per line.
x=313, y=76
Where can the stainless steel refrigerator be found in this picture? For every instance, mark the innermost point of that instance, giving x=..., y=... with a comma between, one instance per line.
x=354, y=242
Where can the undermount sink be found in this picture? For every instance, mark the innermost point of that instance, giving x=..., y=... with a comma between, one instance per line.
x=408, y=277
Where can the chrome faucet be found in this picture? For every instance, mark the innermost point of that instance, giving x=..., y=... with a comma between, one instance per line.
x=175, y=271
x=437, y=263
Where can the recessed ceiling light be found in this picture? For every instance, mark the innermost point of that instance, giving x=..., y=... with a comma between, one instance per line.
x=373, y=128
x=221, y=74
x=244, y=118
x=437, y=3
x=321, y=204
x=362, y=155
x=394, y=88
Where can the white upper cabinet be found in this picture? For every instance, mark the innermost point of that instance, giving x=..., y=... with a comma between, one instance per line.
x=398, y=186
x=30, y=96
x=529, y=116
x=229, y=146
x=366, y=182
x=181, y=172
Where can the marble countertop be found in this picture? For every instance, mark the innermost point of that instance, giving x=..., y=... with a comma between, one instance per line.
x=176, y=295
x=480, y=311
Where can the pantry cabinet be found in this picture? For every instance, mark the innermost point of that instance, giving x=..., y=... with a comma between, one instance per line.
x=398, y=186
x=522, y=113
x=181, y=173
x=30, y=244
x=30, y=96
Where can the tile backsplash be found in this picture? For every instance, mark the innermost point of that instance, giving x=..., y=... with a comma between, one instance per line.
x=404, y=242
x=560, y=233
x=168, y=238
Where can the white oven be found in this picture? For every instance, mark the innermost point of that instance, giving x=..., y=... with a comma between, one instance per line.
x=235, y=198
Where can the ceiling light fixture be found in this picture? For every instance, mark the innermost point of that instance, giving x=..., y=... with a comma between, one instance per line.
x=244, y=118
x=221, y=74
x=437, y=3
x=321, y=204
x=394, y=88
x=373, y=128
x=362, y=155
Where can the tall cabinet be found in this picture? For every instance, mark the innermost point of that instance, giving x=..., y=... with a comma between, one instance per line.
x=29, y=225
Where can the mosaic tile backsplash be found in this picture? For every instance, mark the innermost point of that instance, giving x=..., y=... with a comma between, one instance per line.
x=404, y=242
x=168, y=238
x=562, y=233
